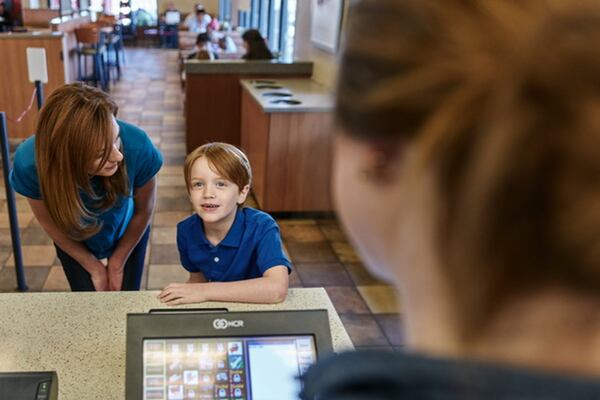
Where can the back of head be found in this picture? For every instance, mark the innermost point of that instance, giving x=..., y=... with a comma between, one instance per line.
x=501, y=100
x=202, y=39
x=257, y=46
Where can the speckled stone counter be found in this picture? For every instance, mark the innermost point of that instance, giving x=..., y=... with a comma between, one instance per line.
x=269, y=67
x=82, y=335
x=271, y=95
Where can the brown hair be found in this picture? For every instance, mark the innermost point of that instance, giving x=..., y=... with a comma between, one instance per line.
x=74, y=124
x=228, y=161
x=502, y=101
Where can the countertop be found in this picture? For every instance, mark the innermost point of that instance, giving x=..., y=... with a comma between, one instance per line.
x=267, y=67
x=82, y=335
x=312, y=96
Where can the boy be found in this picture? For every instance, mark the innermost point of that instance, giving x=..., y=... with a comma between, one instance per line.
x=232, y=253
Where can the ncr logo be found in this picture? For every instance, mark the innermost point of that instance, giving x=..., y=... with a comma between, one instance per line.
x=224, y=324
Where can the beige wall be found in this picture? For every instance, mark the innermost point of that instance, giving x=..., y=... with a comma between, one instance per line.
x=325, y=70
x=186, y=6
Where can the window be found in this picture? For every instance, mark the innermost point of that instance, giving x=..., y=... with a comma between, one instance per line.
x=276, y=20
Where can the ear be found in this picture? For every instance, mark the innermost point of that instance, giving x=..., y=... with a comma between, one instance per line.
x=243, y=194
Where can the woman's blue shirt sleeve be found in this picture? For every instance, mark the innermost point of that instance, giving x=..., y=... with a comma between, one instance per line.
x=23, y=177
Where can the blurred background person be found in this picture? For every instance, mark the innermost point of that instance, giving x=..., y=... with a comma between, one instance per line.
x=256, y=46
x=197, y=20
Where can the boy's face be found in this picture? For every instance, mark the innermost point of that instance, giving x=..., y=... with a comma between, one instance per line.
x=213, y=197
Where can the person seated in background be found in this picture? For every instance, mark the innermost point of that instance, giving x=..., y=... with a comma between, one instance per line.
x=171, y=15
x=203, y=49
x=467, y=173
x=214, y=23
x=226, y=44
x=169, y=26
x=6, y=22
x=197, y=21
x=256, y=46
x=233, y=253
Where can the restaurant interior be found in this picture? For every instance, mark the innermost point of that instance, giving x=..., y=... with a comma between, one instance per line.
x=279, y=111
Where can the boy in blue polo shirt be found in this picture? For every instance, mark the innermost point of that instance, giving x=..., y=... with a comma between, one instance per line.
x=232, y=253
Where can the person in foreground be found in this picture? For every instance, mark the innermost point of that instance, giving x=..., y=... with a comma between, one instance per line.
x=467, y=173
x=90, y=181
x=233, y=253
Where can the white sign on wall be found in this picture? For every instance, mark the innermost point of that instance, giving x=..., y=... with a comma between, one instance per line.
x=36, y=64
x=326, y=20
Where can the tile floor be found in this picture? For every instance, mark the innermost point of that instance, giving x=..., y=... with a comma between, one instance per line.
x=150, y=96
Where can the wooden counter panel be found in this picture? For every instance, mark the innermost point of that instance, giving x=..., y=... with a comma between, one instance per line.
x=255, y=139
x=299, y=164
x=39, y=18
x=17, y=90
x=213, y=105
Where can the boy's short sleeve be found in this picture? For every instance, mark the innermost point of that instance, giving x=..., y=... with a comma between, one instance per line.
x=183, y=249
x=23, y=177
x=270, y=251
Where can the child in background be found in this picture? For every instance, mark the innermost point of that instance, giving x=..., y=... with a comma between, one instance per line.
x=233, y=253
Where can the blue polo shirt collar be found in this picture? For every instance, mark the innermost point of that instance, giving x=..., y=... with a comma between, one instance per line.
x=234, y=236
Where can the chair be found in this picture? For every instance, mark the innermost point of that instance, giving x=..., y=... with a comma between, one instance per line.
x=90, y=43
x=114, y=42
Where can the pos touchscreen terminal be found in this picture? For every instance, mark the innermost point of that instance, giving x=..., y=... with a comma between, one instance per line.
x=224, y=355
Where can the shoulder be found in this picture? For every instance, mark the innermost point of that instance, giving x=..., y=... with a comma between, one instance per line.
x=259, y=219
x=133, y=138
x=185, y=224
x=25, y=155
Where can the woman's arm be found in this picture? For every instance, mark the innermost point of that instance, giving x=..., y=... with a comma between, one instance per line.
x=144, y=198
x=269, y=289
x=75, y=249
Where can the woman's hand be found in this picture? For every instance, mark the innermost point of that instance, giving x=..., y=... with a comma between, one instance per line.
x=100, y=278
x=115, y=269
x=182, y=293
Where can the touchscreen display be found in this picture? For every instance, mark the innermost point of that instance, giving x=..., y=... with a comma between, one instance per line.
x=248, y=368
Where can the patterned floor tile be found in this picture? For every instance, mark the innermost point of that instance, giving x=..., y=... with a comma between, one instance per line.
x=170, y=218
x=56, y=281
x=164, y=254
x=363, y=330
x=302, y=233
x=392, y=327
x=347, y=300
x=160, y=275
x=380, y=299
x=34, y=277
x=164, y=235
x=321, y=274
x=361, y=276
x=345, y=252
x=312, y=252
x=35, y=256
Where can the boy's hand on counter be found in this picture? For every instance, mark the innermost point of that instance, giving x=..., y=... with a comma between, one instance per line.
x=182, y=293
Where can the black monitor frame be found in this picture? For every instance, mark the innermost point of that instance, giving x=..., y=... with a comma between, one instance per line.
x=180, y=324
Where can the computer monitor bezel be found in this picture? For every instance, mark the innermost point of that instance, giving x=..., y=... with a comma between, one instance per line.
x=181, y=324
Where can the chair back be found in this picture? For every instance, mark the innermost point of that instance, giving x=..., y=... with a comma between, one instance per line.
x=87, y=34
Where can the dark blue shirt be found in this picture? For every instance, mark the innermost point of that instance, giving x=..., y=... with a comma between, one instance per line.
x=252, y=246
x=142, y=161
x=371, y=375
